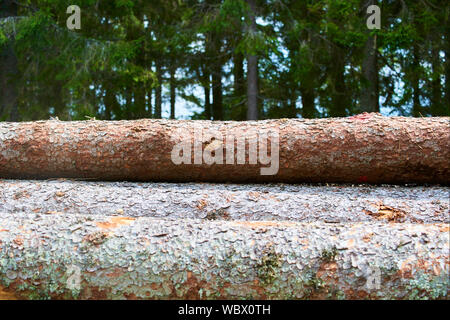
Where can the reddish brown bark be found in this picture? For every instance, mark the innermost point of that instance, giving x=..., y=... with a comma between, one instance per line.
x=365, y=148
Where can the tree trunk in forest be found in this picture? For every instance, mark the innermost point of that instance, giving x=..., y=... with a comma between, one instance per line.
x=140, y=102
x=252, y=70
x=437, y=104
x=365, y=148
x=129, y=102
x=8, y=70
x=56, y=95
x=217, y=106
x=308, y=104
x=330, y=203
x=292, y=113
x=370, y=93
x=205, y=73
x=369, y=100
x=158, y=92
x=111, y=103
x=107, y=102
x=148, y=102
x=417, y=108
x=207, y=92
x=172, y=92
x=446, y=50
x=239, y=85
x=116, y=257
x=339, y=96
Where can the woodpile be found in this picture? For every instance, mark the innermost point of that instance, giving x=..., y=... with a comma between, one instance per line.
x=63, y=237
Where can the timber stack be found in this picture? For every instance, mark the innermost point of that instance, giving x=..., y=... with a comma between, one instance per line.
x=350, y=208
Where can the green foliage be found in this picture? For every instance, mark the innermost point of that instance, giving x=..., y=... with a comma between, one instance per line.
x=310, y=57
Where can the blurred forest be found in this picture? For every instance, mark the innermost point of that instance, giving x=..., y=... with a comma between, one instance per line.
x=222, y=59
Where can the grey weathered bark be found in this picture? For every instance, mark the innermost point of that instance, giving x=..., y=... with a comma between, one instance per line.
x=252, y=69
x=8, y=70
x=76, y=256
x=365, y=148
x=301, y=203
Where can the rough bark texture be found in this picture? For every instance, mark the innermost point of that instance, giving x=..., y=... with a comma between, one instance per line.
x=48, y=256
x=365, y=148
x=300, y=203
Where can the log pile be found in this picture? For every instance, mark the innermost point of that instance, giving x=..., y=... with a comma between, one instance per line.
x=366, y=148
x=68, y=238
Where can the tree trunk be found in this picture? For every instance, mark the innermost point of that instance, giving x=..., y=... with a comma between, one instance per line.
x=207, y=91
x=158, y=92
x=447, y=68
x=437, y=105
x=110, y=101
x=217, y=82
x=370, y=94
x=417, y=108
x=369, y=101
x=301, y=203
x=139, y=102
x=8, y=70
x=148, y=103
x=116, y=257
x=239, y=86
x=366, y=148
x=129, y=104
x=308, y=105
x=339, y=96
x=252, y=70
x=172, y=93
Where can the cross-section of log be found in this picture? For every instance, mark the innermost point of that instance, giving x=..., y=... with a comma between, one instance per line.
x=74, y=256
x=366, y=148
x=277, y=202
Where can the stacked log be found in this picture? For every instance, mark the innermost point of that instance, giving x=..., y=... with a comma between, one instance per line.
x=113, y=240
x=79, y=256
x=67, y=238
x=366, y=148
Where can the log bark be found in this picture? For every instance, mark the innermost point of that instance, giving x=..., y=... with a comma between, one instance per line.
x=365, y=148
x=301, y=203
x=77, y=256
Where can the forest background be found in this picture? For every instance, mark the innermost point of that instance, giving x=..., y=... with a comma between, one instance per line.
x=222, y=59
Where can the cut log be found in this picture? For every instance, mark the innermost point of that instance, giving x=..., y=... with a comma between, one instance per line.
x=365, y=148
x=92, y=257
x=302, y=203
